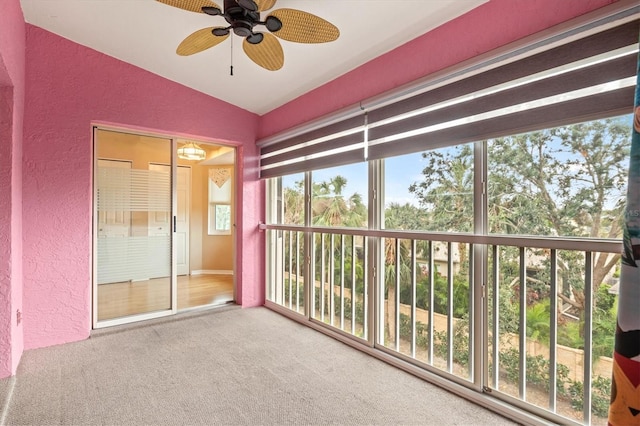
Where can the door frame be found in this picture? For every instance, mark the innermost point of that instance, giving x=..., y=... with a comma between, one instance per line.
x=236, y=217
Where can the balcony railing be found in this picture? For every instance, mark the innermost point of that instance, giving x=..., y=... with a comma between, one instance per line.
x=514, y=316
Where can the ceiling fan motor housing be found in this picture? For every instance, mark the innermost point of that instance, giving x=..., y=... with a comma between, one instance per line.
x=242, y=16
x=242, y=28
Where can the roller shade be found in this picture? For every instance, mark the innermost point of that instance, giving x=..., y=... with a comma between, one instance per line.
x=334, y=145
x=592, y=76
x=549, y=83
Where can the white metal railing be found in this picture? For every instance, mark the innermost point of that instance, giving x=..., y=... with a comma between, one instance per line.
x=420, y=322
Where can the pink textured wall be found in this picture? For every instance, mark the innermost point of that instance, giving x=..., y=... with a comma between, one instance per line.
x=12, y=83
x=487, y=27
x=69, y=87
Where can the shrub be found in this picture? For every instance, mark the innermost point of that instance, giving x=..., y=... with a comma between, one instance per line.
x=537, y=370
x=600, y=395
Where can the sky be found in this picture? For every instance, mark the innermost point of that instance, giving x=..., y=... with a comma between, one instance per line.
x=400, y=172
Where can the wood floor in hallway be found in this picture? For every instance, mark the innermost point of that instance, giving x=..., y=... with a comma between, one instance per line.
x=136, y=297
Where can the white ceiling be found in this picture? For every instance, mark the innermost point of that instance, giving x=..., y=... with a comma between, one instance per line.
x=146, y=33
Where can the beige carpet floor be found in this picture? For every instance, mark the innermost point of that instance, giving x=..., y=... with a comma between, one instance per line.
x=229, y=366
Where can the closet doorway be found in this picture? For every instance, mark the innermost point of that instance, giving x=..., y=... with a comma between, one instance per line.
x=163, y=226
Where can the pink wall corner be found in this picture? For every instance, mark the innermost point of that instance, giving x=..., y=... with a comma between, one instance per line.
x=6, y=273
x=485, y=28
x=12, y=86
x=69, y=87
x=250, y=240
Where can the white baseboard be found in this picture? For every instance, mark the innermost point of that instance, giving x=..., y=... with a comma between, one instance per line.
x=211, y=272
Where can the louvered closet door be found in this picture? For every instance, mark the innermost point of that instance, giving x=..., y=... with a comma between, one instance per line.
x=133, y=205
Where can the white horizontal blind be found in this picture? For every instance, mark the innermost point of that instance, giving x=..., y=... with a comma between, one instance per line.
x=135, y=250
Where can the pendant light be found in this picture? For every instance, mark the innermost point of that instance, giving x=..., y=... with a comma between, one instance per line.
x=191, y=151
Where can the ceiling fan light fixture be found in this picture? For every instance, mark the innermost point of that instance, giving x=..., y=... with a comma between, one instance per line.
x=255, y=38
x=220, y=32
x=210, y=10
x=191, y=151
x=249, y=5
x=273, y=24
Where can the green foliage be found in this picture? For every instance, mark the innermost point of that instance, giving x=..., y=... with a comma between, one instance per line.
x=538, y=321
x=537, y=367
x=565, y=176
x=600, y=395
x=446, y=189
x=604, y=329
x=296, y=293
x=509, y=311
x=404, y=217
x=348, y=311
x=359, y=311
x=460, y=344
x=570, y=335
x=603, y=333
x=440, y=344
x=551, y=182
x=294, y=204
x=566, y=181
x=460, y=295
x=573, y=390
x=330, y=208
x=604, y=300
x=441, y=294
x=537, y=370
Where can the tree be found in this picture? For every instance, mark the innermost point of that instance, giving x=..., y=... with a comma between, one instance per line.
x=293, y=199
x=330, y=208
x=404, y=217
x=446, y=190
x=567, y=181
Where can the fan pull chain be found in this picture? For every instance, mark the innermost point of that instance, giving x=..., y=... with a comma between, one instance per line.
x=231, y=68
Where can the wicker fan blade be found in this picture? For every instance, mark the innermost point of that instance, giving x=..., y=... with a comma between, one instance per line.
x=268, y=53
x=265, y=4
x=198, y=41
x=190, y=5
x=303, y=27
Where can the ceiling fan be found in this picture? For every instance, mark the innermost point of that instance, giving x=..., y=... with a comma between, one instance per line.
x=243, y=19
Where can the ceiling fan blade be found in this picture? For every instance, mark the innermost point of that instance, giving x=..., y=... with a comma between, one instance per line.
x=303, y=27
x=198, y=41
x=190, y=5
x=268, y=53
x=265, y=4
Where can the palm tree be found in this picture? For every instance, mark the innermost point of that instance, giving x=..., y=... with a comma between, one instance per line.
x=330, y=208
x=397, y=260
x=293, y=199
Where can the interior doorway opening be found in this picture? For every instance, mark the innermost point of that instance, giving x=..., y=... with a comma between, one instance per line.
x=163, y=226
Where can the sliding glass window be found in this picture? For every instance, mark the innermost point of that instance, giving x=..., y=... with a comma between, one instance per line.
x=286, y=267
